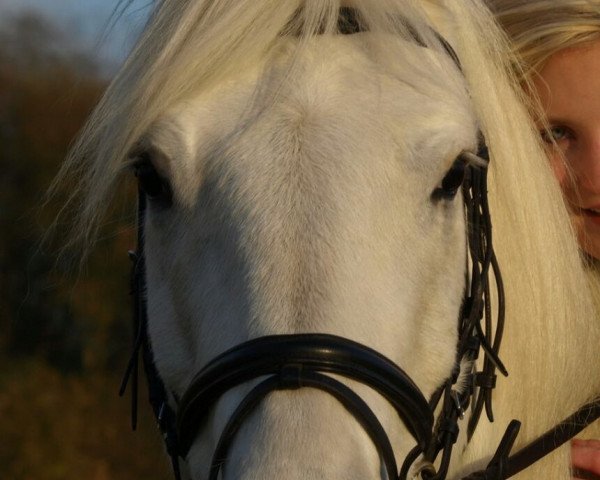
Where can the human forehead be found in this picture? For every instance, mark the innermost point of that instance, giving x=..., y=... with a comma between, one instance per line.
x=569, y=83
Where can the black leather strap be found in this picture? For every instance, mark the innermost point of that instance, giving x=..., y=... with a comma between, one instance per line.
x=504, y=466
x=292, y=377
x=553, y=438
x=157, y=392
x=313, y=353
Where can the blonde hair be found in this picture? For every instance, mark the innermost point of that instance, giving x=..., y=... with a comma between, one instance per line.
x=189, y=46
x=540, y=28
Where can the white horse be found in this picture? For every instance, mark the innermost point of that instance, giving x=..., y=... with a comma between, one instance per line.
x=302, y=164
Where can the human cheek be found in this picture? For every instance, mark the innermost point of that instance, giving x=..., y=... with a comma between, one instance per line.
x=559, y=168
x=587, y=168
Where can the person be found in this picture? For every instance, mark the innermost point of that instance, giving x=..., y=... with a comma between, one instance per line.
x=558, y=45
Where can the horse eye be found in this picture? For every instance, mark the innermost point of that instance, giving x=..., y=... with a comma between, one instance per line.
x=452, y=181
x=151, y=183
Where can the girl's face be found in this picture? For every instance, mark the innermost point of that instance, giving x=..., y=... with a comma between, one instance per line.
x=569, y=88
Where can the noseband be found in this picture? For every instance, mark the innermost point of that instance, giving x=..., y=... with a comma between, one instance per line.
x=300, y=361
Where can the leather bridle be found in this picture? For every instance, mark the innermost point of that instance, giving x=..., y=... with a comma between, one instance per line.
x=289, y=362
x=300, y=361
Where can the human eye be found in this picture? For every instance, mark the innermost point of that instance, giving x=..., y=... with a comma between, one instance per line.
x=556, y=134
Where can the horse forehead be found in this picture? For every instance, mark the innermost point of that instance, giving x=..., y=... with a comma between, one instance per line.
x=346, y=93
x=336, y=76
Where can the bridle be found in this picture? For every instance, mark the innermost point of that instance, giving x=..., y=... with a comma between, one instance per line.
x=304, y=360
x=291, y=362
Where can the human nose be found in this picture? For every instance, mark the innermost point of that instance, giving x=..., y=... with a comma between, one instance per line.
x=586, y=168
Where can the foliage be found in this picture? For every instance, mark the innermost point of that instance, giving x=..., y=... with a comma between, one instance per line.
x=58, y=427
x=63, y=334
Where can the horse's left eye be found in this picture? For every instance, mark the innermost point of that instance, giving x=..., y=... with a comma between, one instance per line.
x=151, y=183
x=452, y=181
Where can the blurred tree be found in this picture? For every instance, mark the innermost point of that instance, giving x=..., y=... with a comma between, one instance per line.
x=46, y=92
x=61, y=336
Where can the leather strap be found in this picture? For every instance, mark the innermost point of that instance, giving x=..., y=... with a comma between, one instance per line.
x=503, y=466
x=292, y=378
x=554, y=438
x=311, y=353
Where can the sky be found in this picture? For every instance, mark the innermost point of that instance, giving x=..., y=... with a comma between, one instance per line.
x=87, y=20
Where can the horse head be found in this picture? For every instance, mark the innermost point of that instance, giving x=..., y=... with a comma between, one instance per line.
x=301, y=164
x=313, y=211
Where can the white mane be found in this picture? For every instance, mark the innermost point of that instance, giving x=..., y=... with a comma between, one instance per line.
x=253, y=127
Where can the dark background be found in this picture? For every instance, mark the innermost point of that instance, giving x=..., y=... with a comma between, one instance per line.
x=65, y=331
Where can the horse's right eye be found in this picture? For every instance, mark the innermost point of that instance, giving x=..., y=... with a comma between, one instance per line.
x=151, y=183
x=452, y=181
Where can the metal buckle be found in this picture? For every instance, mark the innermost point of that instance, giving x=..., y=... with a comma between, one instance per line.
x=423, y=466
